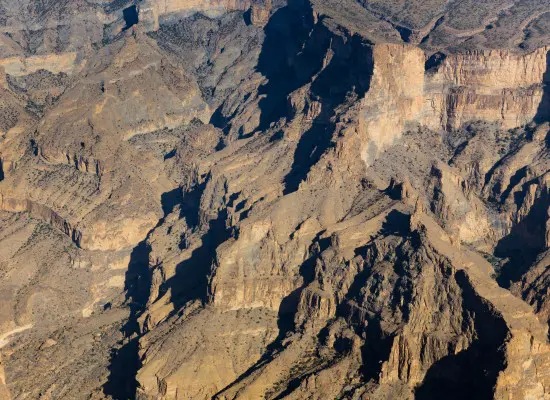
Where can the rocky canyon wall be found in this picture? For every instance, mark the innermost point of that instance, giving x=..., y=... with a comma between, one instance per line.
x=153, y=10
x=211, y=173
x=493, y=85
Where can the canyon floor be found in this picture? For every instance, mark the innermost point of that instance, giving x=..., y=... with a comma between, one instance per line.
x=271, y=199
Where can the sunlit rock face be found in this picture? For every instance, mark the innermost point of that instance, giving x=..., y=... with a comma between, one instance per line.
x=492, y=85
x=234, y=199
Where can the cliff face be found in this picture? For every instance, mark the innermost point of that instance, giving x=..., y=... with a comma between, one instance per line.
x=487, y=85
x=395, y=98
x=495, y=86
x=257, y=199
x=17, y=66
x=152, y=11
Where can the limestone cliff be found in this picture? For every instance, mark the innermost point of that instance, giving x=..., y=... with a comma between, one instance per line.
x=497, y=86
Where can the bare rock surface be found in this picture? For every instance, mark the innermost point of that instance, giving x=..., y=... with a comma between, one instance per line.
x=262, y=199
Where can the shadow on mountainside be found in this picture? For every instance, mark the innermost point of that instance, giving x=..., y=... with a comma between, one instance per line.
x=125, y=362
x=525, y=241
x=473, y=372
x=287, y=312
x=298, y=50
x=543, y=112
x=348, y=73
x=292, y=53
x=190, y=282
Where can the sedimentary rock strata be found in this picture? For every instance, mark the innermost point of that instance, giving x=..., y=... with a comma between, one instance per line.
x=274, y=199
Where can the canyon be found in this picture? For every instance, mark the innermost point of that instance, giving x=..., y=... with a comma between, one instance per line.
x=268, y=199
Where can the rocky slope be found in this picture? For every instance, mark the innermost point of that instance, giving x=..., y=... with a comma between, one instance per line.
x=271, y=199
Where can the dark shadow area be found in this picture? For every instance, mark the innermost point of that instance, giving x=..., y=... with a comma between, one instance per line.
x=169, y=200
x=405, y=33
x=138, y=283
x=190, y=206
x=247, y=16
x=434, y=61
x=170, y=154
x=221, y=121
x=190, y=282
x=526, y=240
x=375, y=351
x=472, y=373
x=131, y=17
x=125, y=362
x=514, y=180
x=349, y=72
x=2, y=176
x=543, y=112
x=34, y=147
x=396, y=223
x=292, y=53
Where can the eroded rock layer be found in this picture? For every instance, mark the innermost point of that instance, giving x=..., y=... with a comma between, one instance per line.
x=270, y=199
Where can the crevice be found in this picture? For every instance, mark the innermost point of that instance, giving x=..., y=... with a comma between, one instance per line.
x=2, y=176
